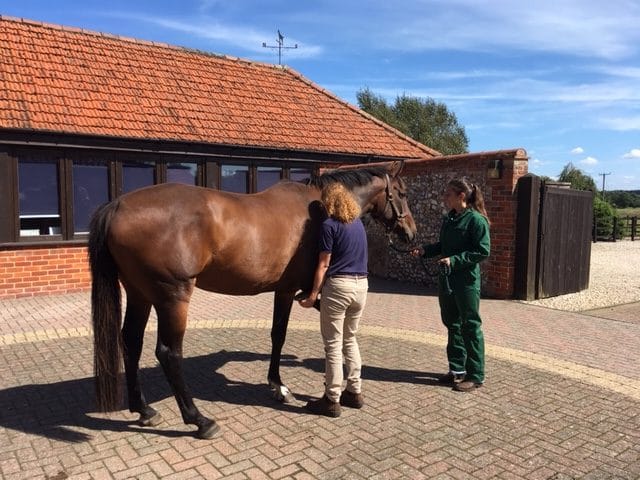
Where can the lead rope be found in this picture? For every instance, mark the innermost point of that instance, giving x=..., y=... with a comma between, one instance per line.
x=443, y=270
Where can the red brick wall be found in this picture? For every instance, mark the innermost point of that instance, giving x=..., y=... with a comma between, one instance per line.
x=26, y=272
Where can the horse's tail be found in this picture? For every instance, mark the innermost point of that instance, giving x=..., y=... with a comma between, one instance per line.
x=106, y=311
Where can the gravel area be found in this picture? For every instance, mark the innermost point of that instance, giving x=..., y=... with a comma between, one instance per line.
x=614, y=279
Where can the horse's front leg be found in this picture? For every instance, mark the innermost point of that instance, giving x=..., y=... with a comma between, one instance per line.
x=281, y=311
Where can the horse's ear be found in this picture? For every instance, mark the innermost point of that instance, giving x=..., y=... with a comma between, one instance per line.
x=395, y=168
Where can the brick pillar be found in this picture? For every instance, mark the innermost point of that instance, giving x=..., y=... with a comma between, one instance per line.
x=502, y=205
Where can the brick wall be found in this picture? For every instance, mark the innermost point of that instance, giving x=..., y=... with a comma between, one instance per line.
x=426, y=181
x=38, y=270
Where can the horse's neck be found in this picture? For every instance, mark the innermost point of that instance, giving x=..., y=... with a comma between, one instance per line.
x=365, y=194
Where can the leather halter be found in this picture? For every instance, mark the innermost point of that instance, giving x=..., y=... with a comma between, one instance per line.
x=389, y=201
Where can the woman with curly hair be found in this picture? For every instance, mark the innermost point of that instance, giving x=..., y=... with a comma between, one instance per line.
x=341, y=273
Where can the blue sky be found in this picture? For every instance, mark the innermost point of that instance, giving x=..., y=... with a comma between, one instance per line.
x=560, y=78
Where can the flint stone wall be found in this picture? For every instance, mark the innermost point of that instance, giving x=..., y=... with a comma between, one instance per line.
x=426, y=181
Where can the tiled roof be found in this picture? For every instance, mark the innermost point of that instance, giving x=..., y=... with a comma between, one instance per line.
x=59, y=79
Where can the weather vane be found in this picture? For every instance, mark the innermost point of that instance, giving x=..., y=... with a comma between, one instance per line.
x=280, y=46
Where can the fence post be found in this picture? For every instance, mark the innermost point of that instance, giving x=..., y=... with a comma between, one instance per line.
x=615, y=228
x=634, y=225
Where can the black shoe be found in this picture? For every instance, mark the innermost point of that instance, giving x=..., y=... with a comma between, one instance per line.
x=451, y=378
x=325, y=407
x=351, y=400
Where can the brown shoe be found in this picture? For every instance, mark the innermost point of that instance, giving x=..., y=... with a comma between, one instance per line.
x=324, y=406
x=466, y=386
x=451, y=378
x=351, y=400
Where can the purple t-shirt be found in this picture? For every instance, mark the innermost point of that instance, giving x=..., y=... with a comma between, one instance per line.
x=347, y=243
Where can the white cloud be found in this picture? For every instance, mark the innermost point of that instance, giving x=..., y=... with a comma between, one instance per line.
x=239, y=36
x=622, y=124
x=634, y=153
x=576, y=27
x=589, y=161
x=577, y=151
x=617, y=71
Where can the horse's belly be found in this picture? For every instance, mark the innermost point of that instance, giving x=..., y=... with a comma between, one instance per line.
x=233, y=284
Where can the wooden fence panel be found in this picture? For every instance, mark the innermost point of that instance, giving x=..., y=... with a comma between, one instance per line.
x=564, y=251
x=528, y=191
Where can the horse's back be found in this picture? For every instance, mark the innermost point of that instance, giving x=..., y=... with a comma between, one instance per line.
x=229, y=243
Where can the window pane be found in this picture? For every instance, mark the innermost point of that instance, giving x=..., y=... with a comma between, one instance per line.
x=268, y=176
x=39, y=207
x=182, y=173
x=137, y=175
x=299, y=174
x=234, y=178
x=90, y=190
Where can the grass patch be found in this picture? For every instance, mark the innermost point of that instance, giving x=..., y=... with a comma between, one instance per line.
x=628, y=212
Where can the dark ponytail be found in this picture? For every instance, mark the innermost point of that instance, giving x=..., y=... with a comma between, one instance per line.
x=473, y=195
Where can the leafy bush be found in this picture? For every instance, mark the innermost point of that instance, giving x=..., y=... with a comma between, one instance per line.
x=603, y=215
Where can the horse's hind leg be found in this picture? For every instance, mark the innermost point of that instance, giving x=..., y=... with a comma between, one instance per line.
x=281, y=310
x=135, y=321
x=172, y=322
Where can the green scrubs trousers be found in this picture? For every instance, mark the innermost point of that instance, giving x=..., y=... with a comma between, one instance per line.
x=465, y=346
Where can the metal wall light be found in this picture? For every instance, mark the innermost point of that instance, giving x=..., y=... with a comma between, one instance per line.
x=494, y=169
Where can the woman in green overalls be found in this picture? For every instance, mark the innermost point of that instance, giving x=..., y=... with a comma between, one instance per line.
x=464, y=243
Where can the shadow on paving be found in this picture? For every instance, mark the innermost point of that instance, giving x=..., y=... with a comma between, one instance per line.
x=49, y=410
x=381, y=285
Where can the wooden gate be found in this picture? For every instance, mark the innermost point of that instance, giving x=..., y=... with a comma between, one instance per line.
x=553, y=239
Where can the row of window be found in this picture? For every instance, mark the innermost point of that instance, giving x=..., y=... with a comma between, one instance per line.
x=40, y=187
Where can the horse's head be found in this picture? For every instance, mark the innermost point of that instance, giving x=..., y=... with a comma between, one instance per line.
x=379, y=191
x=390, y=207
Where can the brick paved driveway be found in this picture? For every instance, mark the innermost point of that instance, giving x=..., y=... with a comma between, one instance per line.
x=562, y=397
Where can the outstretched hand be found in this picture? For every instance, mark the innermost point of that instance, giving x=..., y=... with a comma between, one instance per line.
x=307, y=302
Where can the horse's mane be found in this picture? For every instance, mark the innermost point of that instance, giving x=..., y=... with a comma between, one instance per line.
x=349, y=178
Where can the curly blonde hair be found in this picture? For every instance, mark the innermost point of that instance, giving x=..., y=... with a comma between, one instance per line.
x=340, y=203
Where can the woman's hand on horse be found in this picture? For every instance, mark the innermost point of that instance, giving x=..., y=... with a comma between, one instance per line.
x=307, y=302
x=417, y=252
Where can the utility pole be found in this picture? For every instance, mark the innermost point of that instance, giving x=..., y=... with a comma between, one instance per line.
x=603, y=175
x=280, y=46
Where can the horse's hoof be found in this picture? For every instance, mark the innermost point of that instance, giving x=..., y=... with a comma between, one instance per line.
x=207, y=430
x=281, y=393
x=150, y=420
x=289, y=398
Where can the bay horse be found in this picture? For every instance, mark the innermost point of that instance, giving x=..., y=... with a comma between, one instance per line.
x=161, y=242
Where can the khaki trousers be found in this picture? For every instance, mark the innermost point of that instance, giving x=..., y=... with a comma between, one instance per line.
x=341, y=306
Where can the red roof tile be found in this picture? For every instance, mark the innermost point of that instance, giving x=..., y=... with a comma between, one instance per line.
x=72, y=81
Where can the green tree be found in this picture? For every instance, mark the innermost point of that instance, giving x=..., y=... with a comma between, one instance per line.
x=578, y=180
x=425, y=120
x=623, y=199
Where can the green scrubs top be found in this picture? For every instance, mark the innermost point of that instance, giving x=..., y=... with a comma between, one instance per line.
x=464, y=238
